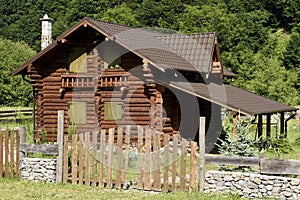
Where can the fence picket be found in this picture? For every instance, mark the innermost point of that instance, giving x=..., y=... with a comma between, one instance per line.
x=1, y=154
x=183, y=165
x=110, y=156
x=166, y=162
x=81, y=159
x=11, y=156
x=119, y=158
x=140, y=157
x=65, y=161
x=94, y=161
x=174, y=160
x=17, y=154
x=87, y=158
x=102, y=158
x=156, y=163
x=147, y=175
x=193, y=164
x=74, y=158
x=6, y=153
x=126, y=162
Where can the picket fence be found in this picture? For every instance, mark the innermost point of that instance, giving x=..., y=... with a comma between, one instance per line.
x=9, y=153
x=109, y=158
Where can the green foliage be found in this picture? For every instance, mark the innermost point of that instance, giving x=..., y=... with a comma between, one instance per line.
x=72, y=130
x=278, y=146
x=239, y=144
x=264, y=73
x=13, y=90
x=121, y=14
x=250, y=43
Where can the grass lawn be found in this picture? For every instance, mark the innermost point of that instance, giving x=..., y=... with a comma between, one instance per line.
x=14, y=189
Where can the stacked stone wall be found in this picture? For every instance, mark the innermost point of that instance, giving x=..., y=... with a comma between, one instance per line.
x=38, y=169
x=252, y=185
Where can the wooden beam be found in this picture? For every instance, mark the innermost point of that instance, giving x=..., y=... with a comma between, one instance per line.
x=260, y=126
x=268, y=129
x=202, y=154
x=281, y=124
x=60, y=140
x=232, y=160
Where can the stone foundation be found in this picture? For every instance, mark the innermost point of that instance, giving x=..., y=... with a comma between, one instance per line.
x=252, y=185
x=38, y=169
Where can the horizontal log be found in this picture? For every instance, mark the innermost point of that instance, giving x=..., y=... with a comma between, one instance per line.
x=47, y=149
x=232, y=160
x=279, y=166
x=52, y=79
x=137, y=109
x=167, y=129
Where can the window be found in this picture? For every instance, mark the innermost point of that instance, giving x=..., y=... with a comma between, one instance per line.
x=77, y=61
x=77, y=113
x=113, y=111
x=112, y=58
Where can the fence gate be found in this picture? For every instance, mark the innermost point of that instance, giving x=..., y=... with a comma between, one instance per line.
x=112, y=159
x=9, y=153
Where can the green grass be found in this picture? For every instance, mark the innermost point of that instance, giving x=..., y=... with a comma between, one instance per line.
x=14, y=189
x=27, y=123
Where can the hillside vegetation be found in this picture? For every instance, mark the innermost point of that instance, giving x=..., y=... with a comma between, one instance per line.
x=259, y=40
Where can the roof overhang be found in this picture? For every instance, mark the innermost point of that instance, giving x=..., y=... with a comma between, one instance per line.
x=233, y=98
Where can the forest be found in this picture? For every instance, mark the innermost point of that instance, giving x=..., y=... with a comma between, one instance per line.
x=259, y=39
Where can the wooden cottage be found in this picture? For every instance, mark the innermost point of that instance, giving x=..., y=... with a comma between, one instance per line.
x=107, y=75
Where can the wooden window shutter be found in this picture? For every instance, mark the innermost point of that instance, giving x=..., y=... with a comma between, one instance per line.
x=77, y=62
x=77, y=112
x=113, y=111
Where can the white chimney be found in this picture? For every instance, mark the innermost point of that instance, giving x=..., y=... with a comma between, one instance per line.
x=46, y=37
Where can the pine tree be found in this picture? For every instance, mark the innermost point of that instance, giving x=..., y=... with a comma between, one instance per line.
x=239, y=144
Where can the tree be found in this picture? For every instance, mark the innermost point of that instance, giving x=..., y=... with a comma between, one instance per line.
x=122, y=15
x=291, y=59
x=13, y=90
x=263, y=72
x=239, y=144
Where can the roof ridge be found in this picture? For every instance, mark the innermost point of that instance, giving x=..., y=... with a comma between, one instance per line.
x=108, y=22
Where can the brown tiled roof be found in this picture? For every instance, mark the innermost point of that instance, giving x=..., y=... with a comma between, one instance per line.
x=190, y=52
x=233, y=98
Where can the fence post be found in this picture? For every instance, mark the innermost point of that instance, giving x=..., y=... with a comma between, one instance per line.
x=202, y=154
x=60, y=135
x=22, y=134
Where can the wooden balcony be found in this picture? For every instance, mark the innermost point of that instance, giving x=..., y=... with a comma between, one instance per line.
x=113, y=81
x=77, y=81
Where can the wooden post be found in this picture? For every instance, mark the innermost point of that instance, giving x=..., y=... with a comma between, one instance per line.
x=60, y=135
x=235, y=117
x=202, y=154
x=268, y=129
x=22, y=133
x=281, y=124
x=259, y=127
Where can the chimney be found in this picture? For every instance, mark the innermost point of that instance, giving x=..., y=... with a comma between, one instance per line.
x=46, y=37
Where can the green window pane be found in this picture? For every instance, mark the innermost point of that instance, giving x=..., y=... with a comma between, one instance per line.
x=113, y=111
x=77, y=112
x=112, y=59
x=77, y=60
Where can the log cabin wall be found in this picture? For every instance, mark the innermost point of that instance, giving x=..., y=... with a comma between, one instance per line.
x=144, y=103
x=124, y=86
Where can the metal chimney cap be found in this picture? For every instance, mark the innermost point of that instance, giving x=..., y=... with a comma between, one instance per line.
x=46, y=18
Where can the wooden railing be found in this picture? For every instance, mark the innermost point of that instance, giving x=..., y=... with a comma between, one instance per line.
x=8, y=115
x=77, y=80
x=113, y=81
